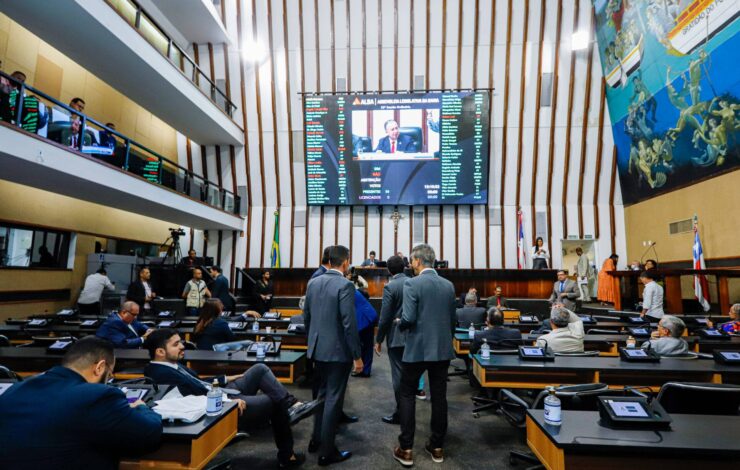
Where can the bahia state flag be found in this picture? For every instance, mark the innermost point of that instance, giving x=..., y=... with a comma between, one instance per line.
x=521, y=259
x=701, y=286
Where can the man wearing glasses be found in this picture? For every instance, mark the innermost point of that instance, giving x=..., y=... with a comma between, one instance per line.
x=68, y=418
x=123, y=330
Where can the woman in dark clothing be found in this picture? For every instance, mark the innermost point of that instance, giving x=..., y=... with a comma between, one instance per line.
x=264, y=292
x=211, y=328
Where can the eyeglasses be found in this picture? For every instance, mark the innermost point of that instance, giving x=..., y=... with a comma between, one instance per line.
x=131, y=313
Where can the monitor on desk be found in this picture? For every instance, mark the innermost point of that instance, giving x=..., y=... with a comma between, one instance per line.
x=636, y=320
x=535, y=353
x=711, y=333
x=727, y=357
x=89, y=323
x=37, y=322
x=632, y=413
x=639, y=331
x=237, y=325
x=527, y=319
x=4, y=386
x=638, y=355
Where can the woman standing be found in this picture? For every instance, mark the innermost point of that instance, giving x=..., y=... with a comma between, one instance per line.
x=539, y=254
x=608, y=285
x=264, y=292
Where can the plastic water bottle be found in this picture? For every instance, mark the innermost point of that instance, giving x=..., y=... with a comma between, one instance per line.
x=553, y=410
x=260, y=351
x=631, y=343
x=255, y=325
x=214, y=403
x=485, y=350
x=471, y=331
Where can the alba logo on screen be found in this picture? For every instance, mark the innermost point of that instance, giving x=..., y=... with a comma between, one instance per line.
x=391, y=149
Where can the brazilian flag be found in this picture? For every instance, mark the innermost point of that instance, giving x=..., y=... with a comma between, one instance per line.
x=275, y=252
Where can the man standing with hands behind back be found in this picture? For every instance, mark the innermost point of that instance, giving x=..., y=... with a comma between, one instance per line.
x=334, y=346
x=429, y=317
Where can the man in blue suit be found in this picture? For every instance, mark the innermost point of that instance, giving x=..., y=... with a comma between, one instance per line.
x=123, y=330
x=394, y=141
x=220, y=289
x=67, y=418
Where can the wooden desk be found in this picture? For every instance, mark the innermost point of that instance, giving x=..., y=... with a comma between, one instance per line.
x=694, y=442
x=607, y=345
x=508, y=371
x=287, y=366
x=190, y=446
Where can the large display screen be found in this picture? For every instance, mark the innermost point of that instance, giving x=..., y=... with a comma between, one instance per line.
x=389, y=149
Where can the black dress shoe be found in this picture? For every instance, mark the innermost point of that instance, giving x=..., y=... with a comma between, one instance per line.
x=345, y=418
x=391, y=419
x=295, y=460
x=313, y=447
x=338, y=456
x=301, y=410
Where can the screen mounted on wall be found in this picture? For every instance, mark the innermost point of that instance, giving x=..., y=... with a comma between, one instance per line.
x=390, y=149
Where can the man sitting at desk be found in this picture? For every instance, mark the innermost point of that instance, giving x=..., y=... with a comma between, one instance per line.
x=68, y=418
x=276, y=405
x=495, y=331
x=667, y=340
x=497, y=300
x=123, y=330
x=395, y=142
x=470, y=313
x=567, y=332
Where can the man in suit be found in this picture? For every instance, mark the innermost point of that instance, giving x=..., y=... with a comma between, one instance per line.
x=564, y=291
x=405, y=259
x=370, y=262
x=275, y=404
x=470, y=313
x=191, y=260
x=334, y=346
x=395, y=142
x=567, y=332
x=67, y=418
x=122, y=329
x=667, y=340
x=324, y=263
x=140, y=291
x=495, y=331
x=390, y=318
x=429, y=317
x=220, y=288
x=497, y=300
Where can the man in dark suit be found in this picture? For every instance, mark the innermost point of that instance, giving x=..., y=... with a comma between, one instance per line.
x=564, y=291
x=497, y=300
x=67, y=418
x=390, y=319
x=324, y=263
x=140, y=291
x=191, y=260
x=470, y=313
x=429, y=317
x=275, y=404
x=495, y=331
x=220, y=289
x=395, y=142
x=333, y=345
x=122, y=329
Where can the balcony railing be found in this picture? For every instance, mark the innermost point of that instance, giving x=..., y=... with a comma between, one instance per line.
x=65, y=125
x=134, y=15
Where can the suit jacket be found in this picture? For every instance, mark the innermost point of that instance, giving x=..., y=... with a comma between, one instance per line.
x=390, y=311
x=570, y=288
x=187, y=384
x=492, y=336
x=467, y=315
x=318, y=272
x=667, y=346
x=220, y=290
x=493, y=303
x=329, y=313
x=403, y=144
x=429, y=316
x=117, y=332
x=58, y=420
x=137, y=293
x=216, y=332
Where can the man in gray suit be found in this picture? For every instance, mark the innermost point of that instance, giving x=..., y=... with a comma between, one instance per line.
x=390, y=319
x=333, y=345
x=471, y=313
x=429, y=316
x=564, y=291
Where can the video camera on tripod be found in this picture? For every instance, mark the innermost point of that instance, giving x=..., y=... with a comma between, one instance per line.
x=173, y=244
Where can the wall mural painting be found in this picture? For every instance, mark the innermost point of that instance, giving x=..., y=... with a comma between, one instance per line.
x=671, y=67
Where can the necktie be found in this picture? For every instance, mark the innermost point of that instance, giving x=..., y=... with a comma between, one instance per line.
x=393, y=147
x=561, y=286
x=498, y=301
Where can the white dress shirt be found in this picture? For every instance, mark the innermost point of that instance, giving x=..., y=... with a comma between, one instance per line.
x=534, y=254
x=94, y=285
x=652, y=300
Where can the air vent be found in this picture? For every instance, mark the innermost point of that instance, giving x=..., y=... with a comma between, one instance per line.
x=682, y=226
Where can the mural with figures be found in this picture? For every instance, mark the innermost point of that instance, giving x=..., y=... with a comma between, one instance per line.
x=673, y=89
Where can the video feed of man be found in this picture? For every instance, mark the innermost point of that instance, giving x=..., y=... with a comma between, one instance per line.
x=389, y=149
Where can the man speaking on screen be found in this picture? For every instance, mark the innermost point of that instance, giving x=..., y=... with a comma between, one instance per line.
x=395, y=142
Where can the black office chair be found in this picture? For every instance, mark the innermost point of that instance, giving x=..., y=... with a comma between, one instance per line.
x=189, y=346
x=600, y=331
x=488, y=402
x=6, y=373
x=4, y=341
x=700, y=398
x=415, y=134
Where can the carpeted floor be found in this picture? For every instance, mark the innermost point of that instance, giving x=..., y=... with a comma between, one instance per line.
x=482, y=443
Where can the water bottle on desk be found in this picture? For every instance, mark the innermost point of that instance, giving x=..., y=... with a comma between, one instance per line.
x=260, y=350
x=471, y=331
x=631, y=342
x=553, y=409
x=255, y=325
x=485, y=350
x=214, y=402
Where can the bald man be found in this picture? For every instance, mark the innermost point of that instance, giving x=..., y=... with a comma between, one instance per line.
x=123, y=330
